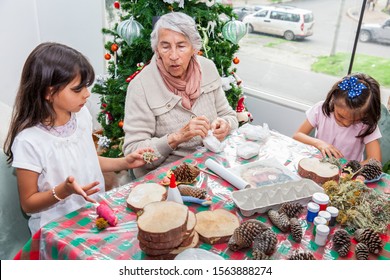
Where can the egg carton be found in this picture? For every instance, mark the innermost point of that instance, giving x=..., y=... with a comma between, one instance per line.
x=262, y=199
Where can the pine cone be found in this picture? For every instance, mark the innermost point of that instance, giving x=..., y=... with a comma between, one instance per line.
x=373, y=161
x=192, y=191
x=370, y=238
x=371, y=171
x=351, y=167
x=341, y=242
x=296, y=230
x=281, y=220
x=243, y=235
x=361, y=251
x=291, y=209
x=186, y=173
x=266, y=242
x=302, y=256
x=259, y=255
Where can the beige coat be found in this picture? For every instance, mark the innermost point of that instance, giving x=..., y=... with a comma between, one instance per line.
x=152, y=112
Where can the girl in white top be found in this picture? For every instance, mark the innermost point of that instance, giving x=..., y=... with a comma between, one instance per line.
x=50, y=137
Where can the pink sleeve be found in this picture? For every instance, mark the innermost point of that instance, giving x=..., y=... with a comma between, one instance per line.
x=313, y=114
x=373, y=136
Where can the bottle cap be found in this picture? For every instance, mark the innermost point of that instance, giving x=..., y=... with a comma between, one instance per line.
x=319, y=221
x=324, y=214
x=320, y=198
x=313, y=207
x=332, y=210
x=172, y=182
x=322, y=230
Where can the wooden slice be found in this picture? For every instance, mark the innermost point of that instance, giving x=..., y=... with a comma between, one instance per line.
x=171, y=255
x=161, y=245
x=216, y=226
x=143, y=194
x=163, y=221
x=319, y=172
x=191, y=222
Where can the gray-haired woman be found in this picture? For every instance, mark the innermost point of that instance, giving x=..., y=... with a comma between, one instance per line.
x=176, y=99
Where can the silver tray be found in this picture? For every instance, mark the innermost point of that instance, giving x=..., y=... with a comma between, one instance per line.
x=262, y=199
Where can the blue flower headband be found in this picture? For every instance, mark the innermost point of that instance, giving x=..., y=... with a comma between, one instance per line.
x=353, y=86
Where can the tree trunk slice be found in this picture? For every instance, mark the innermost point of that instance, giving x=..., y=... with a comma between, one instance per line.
x=161, y=245
x=163, y=221
x=171, y=255
x=191, y=222
x=319, y=172
x=187, y=240
x=144, y=194
x=215, y=227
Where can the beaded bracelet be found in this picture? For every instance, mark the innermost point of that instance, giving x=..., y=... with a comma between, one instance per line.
x=53, y=192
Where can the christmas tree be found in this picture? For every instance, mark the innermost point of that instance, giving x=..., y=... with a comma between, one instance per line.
x=129, y=50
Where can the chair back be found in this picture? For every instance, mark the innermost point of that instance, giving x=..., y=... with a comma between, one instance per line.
x=14, y=231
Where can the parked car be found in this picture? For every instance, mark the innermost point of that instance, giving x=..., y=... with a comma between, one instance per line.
x=286, y=21
x=241, y=12
x=375, y=32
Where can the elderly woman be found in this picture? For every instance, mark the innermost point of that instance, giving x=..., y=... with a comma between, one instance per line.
x=176, y=99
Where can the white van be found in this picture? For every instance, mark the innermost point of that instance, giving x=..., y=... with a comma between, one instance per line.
x=288, y=22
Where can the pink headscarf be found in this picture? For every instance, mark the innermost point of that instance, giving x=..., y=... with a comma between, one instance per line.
x=189, y=88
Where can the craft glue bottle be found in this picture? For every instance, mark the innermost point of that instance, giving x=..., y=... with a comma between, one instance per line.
x=173, y=191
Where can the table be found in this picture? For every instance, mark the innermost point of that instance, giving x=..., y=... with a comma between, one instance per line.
x=75, y=236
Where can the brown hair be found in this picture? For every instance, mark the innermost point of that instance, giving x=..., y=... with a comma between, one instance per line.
x=368, y=104
x=49, y=65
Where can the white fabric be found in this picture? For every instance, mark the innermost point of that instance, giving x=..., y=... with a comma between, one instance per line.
x=56, y=158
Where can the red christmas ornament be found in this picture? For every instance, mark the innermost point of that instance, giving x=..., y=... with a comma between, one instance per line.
x=104, y=105
x=120, y=124
x=114, y=47
x=236, y=60
x=107, y=56
x=240, y=105
x=117, y=5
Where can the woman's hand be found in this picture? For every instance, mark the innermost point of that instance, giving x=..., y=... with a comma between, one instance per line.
x=328, y=150
x=198, y=126
x=220, y=128
x=136, y=159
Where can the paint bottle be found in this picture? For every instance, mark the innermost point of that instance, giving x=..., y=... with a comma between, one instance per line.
x=318, y=221
x=321, y=199
x=312, y=211
x=173, y=191
x=334, y=212
x=322, y=235
x=326, y=215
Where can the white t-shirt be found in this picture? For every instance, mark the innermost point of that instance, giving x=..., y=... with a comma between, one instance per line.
x=343, y=138
x=56, y=158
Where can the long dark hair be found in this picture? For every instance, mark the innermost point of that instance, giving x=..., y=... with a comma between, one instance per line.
x=50, y=65
x=367, y=104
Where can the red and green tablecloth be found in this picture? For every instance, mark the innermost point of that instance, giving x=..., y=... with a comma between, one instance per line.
x=76, y=236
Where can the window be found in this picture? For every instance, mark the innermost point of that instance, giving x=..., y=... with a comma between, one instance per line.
x=301, y=71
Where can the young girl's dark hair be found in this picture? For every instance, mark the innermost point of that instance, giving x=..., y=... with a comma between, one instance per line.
x=367, y=104
x=48, y=69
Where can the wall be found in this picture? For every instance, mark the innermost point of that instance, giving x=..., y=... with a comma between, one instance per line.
x=26, y=23
x=282, y=115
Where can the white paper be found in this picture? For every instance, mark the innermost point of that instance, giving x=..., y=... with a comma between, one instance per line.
x=224, y=173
